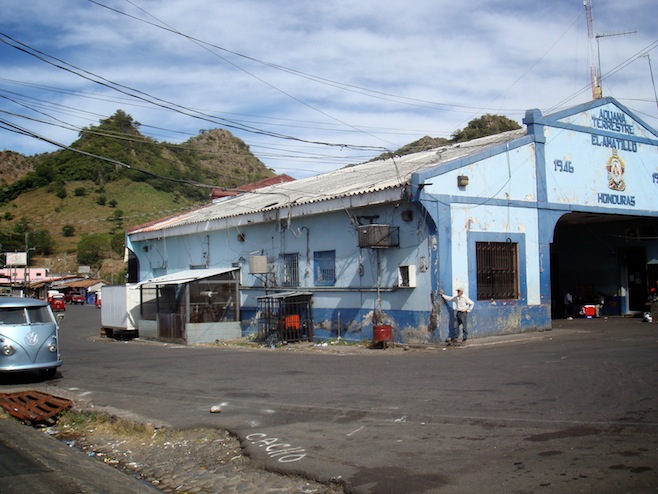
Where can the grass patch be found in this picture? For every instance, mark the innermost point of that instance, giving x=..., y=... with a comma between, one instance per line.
x=76, y=422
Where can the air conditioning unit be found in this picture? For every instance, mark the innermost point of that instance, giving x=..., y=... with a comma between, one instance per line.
x=258, y=265
x=407, y=276
x=378, y=236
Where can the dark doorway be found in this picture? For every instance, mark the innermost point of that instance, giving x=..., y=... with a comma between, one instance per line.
x=595, y=255
x=634, y=262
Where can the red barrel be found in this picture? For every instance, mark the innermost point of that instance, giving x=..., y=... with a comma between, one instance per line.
x=382, y=333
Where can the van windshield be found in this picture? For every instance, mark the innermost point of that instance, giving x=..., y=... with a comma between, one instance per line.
x=13, y=316
x=39, y=315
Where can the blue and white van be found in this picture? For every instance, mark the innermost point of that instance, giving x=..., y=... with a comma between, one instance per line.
x=29, y=336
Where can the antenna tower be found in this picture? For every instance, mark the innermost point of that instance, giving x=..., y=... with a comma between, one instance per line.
x=595, y=63
x=595, y=71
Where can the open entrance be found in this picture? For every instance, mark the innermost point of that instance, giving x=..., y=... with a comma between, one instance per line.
x=603, y=257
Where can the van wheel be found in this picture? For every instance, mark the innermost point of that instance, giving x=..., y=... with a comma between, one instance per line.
x=48, y=373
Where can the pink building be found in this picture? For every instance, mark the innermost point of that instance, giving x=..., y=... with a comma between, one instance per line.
x=17, y=275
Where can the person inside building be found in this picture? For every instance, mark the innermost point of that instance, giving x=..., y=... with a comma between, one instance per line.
x=653, y=294
x=599, y=301
x=568, y=305
x=463, y=305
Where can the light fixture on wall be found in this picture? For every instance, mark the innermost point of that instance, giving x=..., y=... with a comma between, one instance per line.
x=462, y=180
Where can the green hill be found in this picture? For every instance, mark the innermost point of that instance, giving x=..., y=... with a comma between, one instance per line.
x=115, y=179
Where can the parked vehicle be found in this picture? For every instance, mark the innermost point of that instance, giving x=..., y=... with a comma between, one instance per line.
x=29, y=336
x=58, y=303
x=75, y=298
x=120, y=311
x=52, y=293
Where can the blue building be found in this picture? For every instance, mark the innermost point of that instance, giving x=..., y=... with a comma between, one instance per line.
x=569, y=203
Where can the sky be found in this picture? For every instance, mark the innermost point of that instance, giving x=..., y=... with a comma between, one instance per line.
x=312, y=86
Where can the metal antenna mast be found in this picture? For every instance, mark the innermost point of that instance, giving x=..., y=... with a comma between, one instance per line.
x=595, y=73
x=595, y=68
x=653, y=82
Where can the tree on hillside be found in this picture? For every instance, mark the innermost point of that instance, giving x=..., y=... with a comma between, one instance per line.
x=118, y=243
x=42, y=242
x=484, y=126
x=92, y=249
x=423, y=144
x=24, y=236
x=11, y=243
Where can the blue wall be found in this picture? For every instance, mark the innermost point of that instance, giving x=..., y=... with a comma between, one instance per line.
x=361, y=273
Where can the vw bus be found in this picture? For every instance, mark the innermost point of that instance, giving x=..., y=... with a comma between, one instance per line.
x=29, y=338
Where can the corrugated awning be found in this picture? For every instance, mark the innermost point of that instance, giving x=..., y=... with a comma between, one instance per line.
x=287, y=295
x=186, y=276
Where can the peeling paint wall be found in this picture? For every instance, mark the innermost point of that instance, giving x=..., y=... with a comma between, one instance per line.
x=595, y=158
x=367, y=285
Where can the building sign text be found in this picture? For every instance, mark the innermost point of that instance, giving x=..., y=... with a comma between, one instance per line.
x=614, y=121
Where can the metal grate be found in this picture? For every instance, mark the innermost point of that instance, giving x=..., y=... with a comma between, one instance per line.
x=285, y=317
x=33, y=406
x=497, y=270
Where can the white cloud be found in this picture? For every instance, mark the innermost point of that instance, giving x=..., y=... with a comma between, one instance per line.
x=426, y=67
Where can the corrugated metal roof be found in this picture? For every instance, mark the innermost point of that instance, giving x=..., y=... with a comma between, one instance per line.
x=86, y=283
x=349, y=181
x=186, y=276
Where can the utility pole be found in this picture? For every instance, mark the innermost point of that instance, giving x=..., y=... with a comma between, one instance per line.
x=25, y=268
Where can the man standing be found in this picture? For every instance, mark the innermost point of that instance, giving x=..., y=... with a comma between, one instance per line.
x=568, y=305
x=463, y=305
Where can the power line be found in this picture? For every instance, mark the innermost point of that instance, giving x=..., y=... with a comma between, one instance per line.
x=278, y=121
x=341, y=85
x=651, y=46
x=23, y=131
x=287, y=94
x=160, y=102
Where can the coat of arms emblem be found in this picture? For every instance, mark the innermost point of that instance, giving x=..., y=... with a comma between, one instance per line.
x=616, y=168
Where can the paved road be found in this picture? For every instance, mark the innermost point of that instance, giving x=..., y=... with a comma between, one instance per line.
x=571, y=410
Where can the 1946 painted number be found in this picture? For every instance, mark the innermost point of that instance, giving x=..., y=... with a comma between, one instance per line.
x=563, y=166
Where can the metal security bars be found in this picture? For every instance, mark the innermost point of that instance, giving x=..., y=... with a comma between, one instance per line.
x=290, y=269
x=285, y=317
x=497, y=265
x=324, y=270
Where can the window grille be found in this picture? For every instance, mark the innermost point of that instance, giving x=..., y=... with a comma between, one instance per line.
x=497, y=270
x=324, y=271
x=290, y=274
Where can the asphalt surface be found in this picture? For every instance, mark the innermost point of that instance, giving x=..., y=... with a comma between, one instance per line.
x=33, y=462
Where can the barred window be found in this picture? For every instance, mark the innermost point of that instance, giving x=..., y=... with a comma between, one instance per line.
x=324, y=271
x=290, y=274
x=497, y=265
